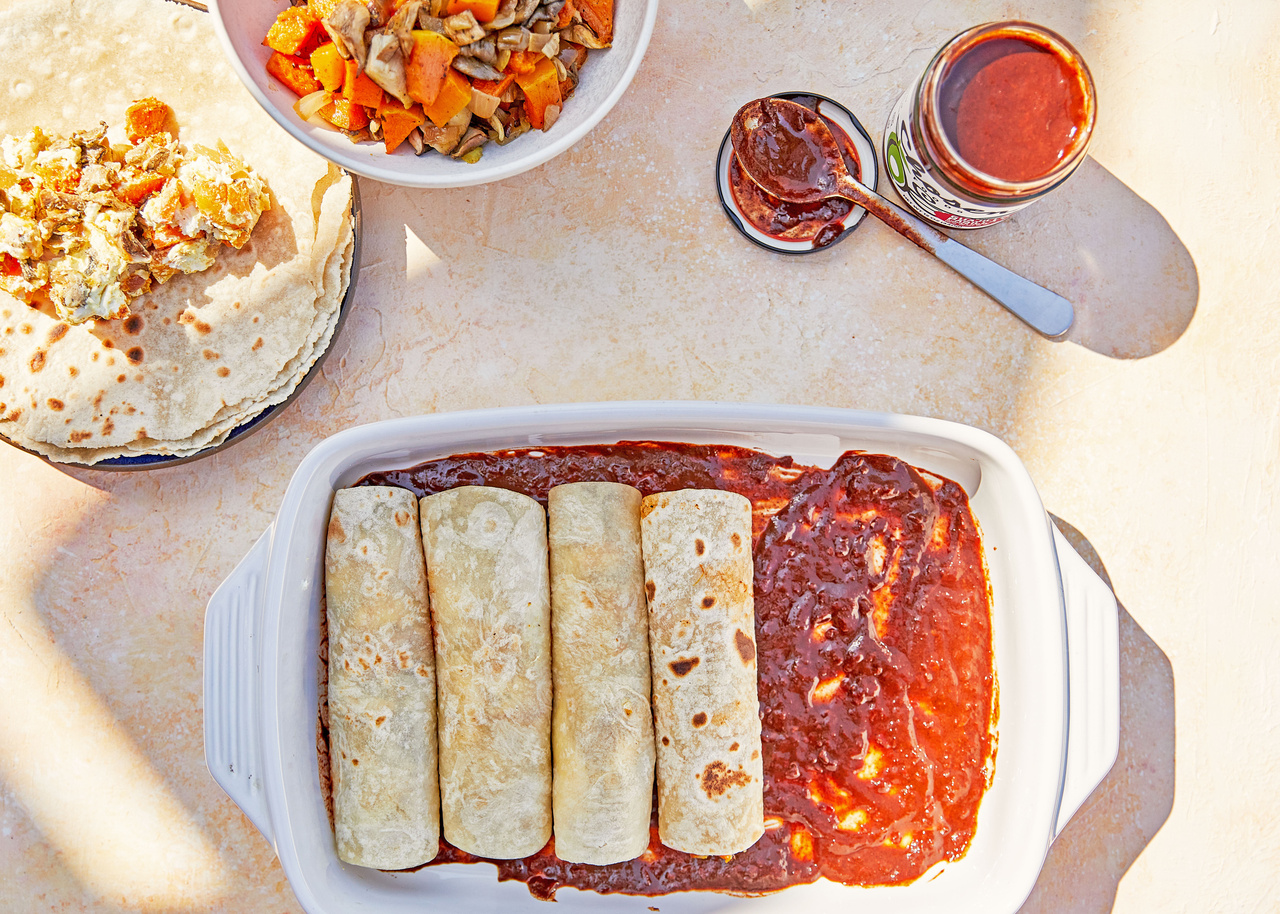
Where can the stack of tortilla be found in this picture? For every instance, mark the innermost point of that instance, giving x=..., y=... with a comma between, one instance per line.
x=203, y=353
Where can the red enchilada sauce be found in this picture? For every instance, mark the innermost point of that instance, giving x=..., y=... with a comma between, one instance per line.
x=1012, y=108
x=873, y=634
x=821, y=222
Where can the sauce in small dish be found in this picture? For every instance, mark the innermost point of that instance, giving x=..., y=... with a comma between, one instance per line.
x=795, y=228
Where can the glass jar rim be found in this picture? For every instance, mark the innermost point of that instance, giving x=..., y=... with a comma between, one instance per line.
x=951, y=164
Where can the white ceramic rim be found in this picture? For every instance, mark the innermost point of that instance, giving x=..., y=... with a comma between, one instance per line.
x=367, y=165
x=1018, y=817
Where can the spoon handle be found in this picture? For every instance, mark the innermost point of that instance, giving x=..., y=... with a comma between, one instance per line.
x=1044, y=311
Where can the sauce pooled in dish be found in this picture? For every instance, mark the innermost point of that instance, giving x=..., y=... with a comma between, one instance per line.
x=876, y=681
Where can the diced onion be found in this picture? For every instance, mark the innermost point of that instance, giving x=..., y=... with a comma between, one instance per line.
x=308, y=106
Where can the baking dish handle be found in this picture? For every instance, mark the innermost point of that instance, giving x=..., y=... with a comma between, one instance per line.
x=232, y=685
x=1093, y=679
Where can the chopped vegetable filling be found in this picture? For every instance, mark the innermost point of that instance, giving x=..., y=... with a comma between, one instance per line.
x=91, y=225
x=448, y=75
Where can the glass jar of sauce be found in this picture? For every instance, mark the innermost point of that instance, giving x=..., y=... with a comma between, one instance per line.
x=1002, y=115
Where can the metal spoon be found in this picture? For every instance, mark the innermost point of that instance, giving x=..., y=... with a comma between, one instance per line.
x=790, y=153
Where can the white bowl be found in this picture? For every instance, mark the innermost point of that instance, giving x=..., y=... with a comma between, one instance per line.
x=1054, y=627
x=242, y=25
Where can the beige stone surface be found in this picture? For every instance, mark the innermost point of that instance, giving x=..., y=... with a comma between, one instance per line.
x=611, y=273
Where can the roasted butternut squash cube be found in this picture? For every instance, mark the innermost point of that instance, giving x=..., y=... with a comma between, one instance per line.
x=294, y=73
x=359, y=88
x=428, y=64
x=541, y=90
x=483, y=10
x=453, y=96
x=295, y=32
x=328, y=66
x=398, y=122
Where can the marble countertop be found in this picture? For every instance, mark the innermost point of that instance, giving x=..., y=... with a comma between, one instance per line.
x=1153, y=434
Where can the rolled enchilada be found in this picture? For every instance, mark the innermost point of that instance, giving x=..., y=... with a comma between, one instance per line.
x=698, y=577
x=602, y=726
x=382, y=683
x=486, y=552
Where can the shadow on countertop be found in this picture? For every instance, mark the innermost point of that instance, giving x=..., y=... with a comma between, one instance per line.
x=1101, y=842
x=1132, y=281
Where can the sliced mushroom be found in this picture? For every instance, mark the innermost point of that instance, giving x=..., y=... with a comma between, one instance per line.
x=463, y=28
x=385, y=66
x=516, y=130
x=442, y=139
x=402, y=25
x=474, y=138
x=431, y=23
x=525, y=9
x=416, y=142
x=346, y=26
x=505, y=16
x=578, y=33
x=485, y=49
x=477, y=69
x=549, y=116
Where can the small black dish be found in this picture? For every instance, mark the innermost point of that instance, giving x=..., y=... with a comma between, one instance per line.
x=869, y=175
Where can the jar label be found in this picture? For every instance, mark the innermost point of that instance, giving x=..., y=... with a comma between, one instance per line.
x=917, y=185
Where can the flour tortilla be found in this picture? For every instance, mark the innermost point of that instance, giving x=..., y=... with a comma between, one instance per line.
x=706, y=712
x=486, y=552
x=382, y=681
x=602, y=726
x=213, y=349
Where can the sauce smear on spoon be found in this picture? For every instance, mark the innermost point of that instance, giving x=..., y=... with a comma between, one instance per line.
x=787, y=150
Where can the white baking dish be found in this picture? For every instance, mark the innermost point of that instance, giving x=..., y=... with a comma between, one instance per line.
x=1054, y=623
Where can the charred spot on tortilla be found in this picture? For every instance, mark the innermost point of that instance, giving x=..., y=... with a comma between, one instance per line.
x=684, y=666
x=700, y=719
x=257, y=344
x=649, y=589
x=58, y=331
x=746, y=647
x=133, y=324
x=736, y=539
x=708, y=602
x=717, y=778
x=699, y=547
x=120, y=379
x=209, y=354
x=336, y=533
x=55, y=404
x=77, y=437
x=37, y=361
x=402, y=518
x=72, y=370
x=107, y=344
x=734, y=747
x=224, y=371
x=666, y=741
x=202, y=328
x=134, y=354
